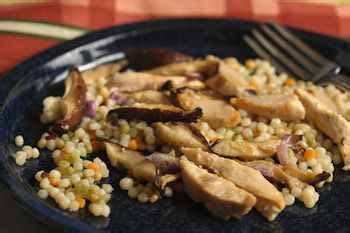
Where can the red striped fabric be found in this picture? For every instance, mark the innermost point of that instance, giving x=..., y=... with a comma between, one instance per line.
x=96, y=14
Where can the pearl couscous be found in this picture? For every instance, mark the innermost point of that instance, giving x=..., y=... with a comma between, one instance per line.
x=287, y=141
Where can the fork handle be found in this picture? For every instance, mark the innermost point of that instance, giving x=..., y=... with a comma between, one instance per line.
x=340, y=80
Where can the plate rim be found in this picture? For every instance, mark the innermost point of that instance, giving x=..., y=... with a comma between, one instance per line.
x=11, y=78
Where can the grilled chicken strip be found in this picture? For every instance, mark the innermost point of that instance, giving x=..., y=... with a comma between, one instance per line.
x=269, y=200
x=178, y=135
x=216, y=111
x=246, y=150
x=150, y=97
x=102, y=71
x=210, y=135
x=285, y=107
x=221, y=197
x=135, y=81
x=133, y=161
x=228, y=81
x=322, y=96
x=330, y=123
x=277, y=174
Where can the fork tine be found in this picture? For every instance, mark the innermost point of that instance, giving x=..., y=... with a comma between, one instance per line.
x=284, y=45
x=262, y=53
x=292, y=66
x=312, y=54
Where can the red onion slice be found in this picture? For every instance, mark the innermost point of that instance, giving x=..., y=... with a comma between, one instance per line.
x=287, y=142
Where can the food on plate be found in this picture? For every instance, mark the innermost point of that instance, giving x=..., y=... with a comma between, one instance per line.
x=334, y=125
x=233, y=137
x=216, y=112
x=285, y=107
x=246, y=150
x=221, y=197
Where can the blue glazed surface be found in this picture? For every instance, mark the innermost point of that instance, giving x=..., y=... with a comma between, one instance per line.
x=23, y=88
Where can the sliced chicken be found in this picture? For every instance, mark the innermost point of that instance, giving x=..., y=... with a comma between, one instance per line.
x=228, y=81
x=246, y=150
x=320, y=94
x=134, y=162
x=269, y=200
x=210, y=135
x=102, y=71
x=216, y=111
x=285, y=107
x=330, y=123
x=277, y=174
x=150, y=97
x=221, y=197
x=137, y=81
x=205, y=67
x=178, y=135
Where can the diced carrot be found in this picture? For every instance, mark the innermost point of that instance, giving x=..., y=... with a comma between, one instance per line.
x=93, y=166
x=310, y=154
x=93, y=197
x=81, y=201
x=133, y=144
x=250, y=64
x=289, y=82
x=54, y=181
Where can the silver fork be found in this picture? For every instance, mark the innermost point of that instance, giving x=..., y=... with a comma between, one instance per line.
x=291, y=55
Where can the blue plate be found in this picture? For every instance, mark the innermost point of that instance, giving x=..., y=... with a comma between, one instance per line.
x=23, y=89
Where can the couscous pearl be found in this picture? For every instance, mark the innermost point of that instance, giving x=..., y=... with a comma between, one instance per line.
x=75, y=178
x=53, y=191
x=35, y=153
x=247, y=134
x=45, y=183
x=290, y=199
x=96, y=209
x=153, y=198
x=59, y=143
x=126, y=183
x=42, y=143
x=38, y=175
x=70, y=195
x=246, y=122
x=142, y=197
x=19, y=141
x=64, y=183
x=133, y=192
x=51, y=144
x=303, y=166
x=168, y=192
x=43, y=194
x=296, y=191
x=89, y=173
x=21, y=158
x=54, y=174
x=63, y=202
x=108, y=188
x=65, y=137
x=262, y=127
x=74, y=206
x=94, y=126
x=106, y=211
x=69, y=147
